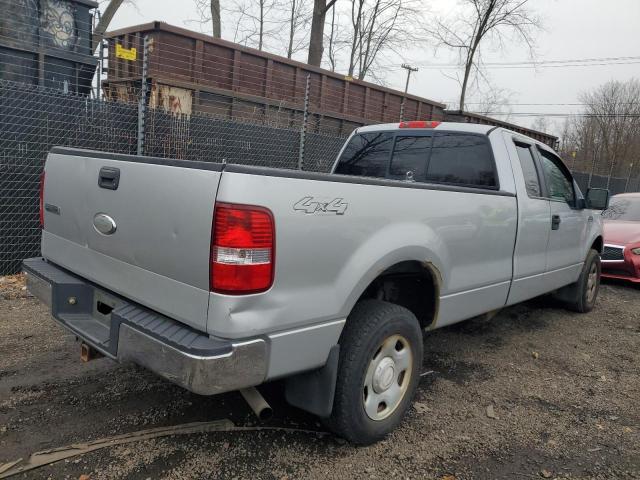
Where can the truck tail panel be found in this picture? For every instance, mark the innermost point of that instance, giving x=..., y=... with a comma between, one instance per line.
x=139, y=227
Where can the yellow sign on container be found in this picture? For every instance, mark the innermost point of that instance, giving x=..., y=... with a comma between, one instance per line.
x=125, y=53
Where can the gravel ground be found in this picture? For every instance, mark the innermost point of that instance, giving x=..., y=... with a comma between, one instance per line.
x=536, y=392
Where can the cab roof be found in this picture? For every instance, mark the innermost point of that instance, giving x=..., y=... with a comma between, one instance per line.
x=628, y=195
x=448, y=126
x=451, y=126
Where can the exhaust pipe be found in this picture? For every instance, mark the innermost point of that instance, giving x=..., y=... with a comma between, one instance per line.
x=257, y=403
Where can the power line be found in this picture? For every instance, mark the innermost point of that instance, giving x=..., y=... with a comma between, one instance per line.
x=539, y=104
x=582, y=62
x=557, y=114
x=523, y=67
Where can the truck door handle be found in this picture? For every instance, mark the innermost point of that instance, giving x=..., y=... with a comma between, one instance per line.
x=555, y=222
x=109, y=178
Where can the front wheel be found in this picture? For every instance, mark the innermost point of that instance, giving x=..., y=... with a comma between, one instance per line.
x=378, y=371
x=581, y=296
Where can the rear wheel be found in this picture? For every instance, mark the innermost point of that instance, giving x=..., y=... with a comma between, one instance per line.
x=581, y=296
x=378, y=371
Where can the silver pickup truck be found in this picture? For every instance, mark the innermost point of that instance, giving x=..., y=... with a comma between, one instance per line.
x=220, y=277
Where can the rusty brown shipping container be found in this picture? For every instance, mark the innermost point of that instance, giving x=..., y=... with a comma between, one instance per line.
x=466, y=117
x=191, y=72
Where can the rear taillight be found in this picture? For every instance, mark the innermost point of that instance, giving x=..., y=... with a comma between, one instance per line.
x=42, y=199
x=242, y=249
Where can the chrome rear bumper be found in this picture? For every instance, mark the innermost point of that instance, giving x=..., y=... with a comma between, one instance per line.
x=132, y=333
x=244, y=366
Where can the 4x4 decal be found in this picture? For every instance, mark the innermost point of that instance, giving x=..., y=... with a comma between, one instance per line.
x=310, y=205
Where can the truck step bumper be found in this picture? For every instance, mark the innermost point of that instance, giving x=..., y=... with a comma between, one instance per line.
x=125, y=331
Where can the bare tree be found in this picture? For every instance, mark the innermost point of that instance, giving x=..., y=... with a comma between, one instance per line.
x=541, y=124
x=257, y=22
x=209, y=11
x=494, y=101
x=613, y=123
x=605, y=138
x=568, y=150
x=482, y=20
x=332, y=45
x=338, y=38
x=316, y=37
x=215, y=18
x=260, y=23
x=299, y=17
x=380, y=26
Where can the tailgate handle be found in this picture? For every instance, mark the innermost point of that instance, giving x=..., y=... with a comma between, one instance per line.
x=109, y=178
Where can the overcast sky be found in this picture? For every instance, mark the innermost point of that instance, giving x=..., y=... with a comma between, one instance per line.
x=574, y=29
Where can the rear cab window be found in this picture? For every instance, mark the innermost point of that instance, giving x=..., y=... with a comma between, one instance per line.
x=367, y=155
x=410, y=156
x=450, y=158
x=462, y=159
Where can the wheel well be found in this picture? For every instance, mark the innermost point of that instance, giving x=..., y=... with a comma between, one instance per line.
x=413, y=285
x=598, y=244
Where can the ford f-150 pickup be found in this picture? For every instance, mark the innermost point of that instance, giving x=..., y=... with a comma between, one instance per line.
x=221, y=277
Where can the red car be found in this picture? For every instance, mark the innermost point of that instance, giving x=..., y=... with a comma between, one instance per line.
x=621, y=255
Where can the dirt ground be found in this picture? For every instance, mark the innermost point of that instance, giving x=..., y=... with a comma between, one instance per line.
x=536, y=392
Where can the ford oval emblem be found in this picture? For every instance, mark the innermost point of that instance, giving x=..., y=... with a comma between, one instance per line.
x=104, y=224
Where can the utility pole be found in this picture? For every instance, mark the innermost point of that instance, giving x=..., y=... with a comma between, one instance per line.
x=409, y=69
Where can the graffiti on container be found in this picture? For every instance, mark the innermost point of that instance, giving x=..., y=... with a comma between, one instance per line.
x=58, y=23
x=19, y=20
x=172, y=99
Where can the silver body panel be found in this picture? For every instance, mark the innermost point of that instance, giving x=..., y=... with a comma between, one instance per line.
x=545, y=259
x=325, y=261
x=158, y=254
x=301, y=349
x=487, y=249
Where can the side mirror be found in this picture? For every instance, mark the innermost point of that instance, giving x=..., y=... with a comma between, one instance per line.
x=597, y=198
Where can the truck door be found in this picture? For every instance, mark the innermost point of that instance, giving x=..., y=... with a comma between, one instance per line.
x=569, y=224
x=534, y=223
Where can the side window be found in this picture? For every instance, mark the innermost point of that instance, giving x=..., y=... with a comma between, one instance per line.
x=410, y=156
x=366, y=155
x=531, y=180
x=462, y=159
x=558, y=183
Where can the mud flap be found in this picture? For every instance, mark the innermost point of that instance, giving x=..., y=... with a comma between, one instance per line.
x=313, y=391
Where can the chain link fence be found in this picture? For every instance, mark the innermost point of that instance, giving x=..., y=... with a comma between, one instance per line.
x=614, y=184
x=34, y=119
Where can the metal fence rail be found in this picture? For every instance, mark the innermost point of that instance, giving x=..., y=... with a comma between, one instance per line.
x=615, y=184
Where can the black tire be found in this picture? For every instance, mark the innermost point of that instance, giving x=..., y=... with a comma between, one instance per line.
x=581, y=296
x=371, y=325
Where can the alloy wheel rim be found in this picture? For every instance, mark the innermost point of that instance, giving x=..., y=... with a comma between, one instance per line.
x=388, y=376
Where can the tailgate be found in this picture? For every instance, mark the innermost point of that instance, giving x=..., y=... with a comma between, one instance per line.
x=158, y=252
